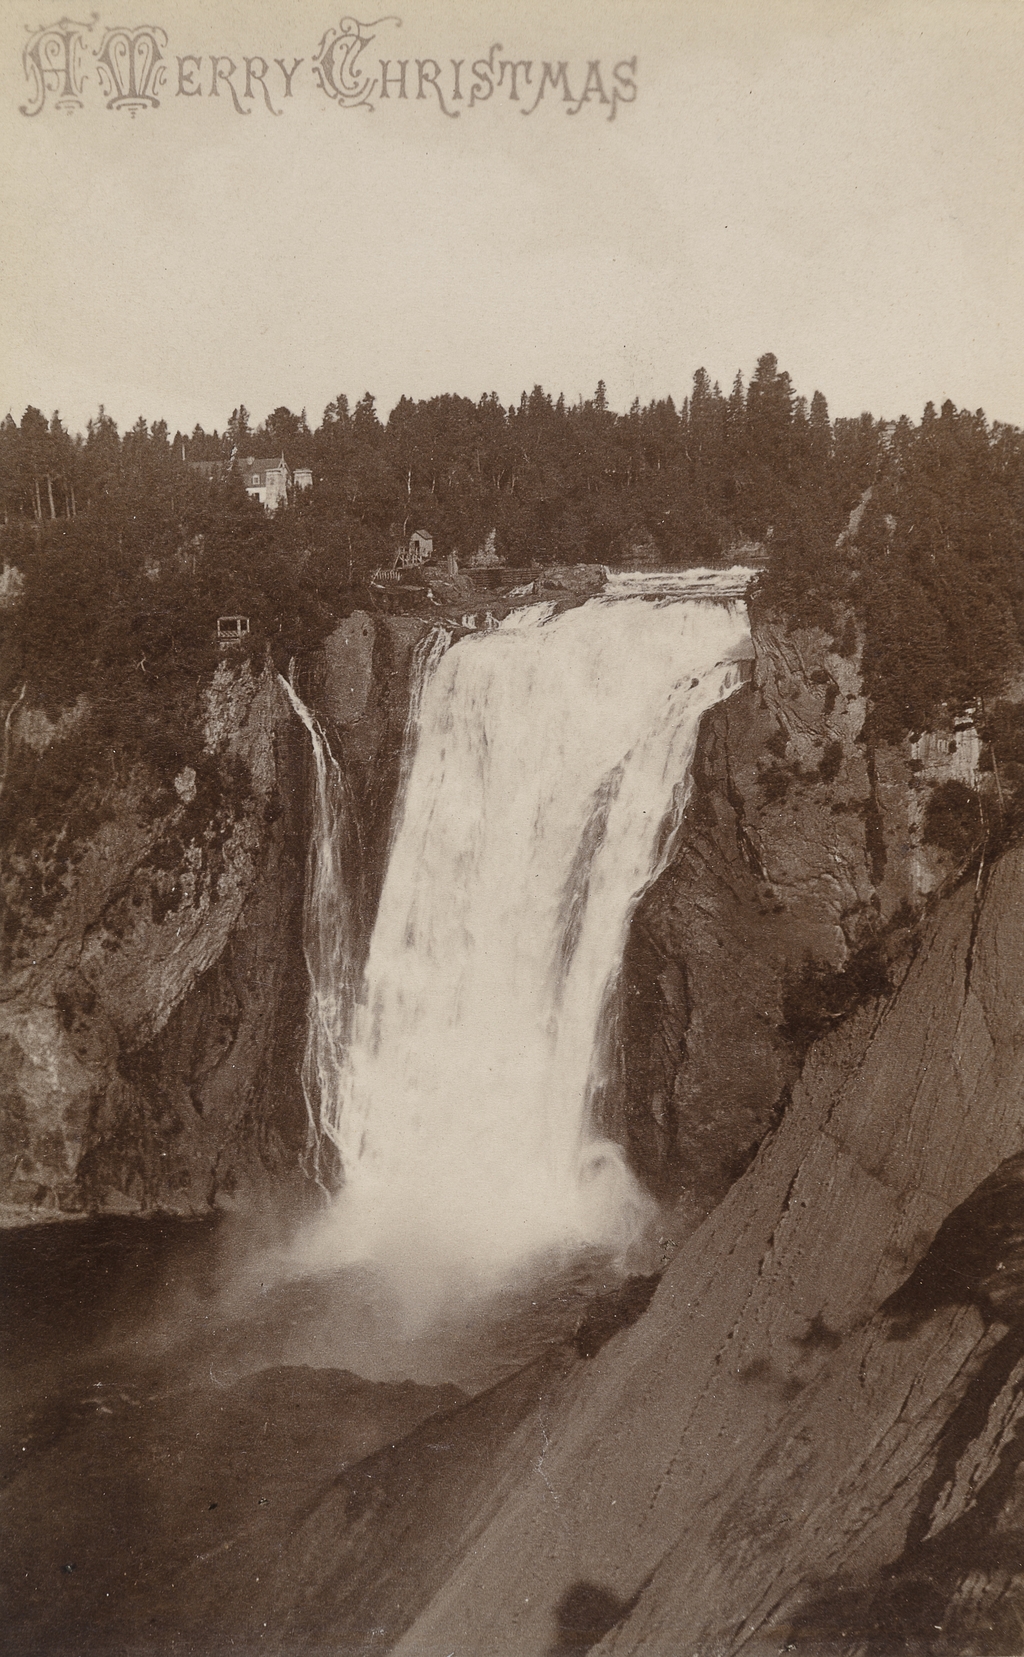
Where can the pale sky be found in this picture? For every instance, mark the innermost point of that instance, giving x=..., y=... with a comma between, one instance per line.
x=837, y=181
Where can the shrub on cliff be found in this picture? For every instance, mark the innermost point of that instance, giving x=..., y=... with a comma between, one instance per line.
x=818, y=997
x=52, y=802
x=954, y=820
x=1002, y=730
x=929, y=567
x=117, y=615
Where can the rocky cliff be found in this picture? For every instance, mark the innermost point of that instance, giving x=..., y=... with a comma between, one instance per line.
x=797, y=875
x=150, y=1030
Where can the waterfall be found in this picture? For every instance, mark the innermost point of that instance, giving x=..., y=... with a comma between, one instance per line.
x=550, y=763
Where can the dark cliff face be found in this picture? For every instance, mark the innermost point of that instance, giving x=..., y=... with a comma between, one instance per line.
x=360, y=685
x=151, y=1034
x=810, y=1436
x=796, y=877
x=152, y=1031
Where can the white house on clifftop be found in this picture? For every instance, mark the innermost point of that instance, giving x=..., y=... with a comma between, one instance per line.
x=269, y=481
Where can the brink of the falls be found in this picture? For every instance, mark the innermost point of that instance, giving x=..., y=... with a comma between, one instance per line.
x=548, y=768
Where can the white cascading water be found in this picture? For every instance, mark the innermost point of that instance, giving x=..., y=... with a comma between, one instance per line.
x=327, y=933
x=551, y=762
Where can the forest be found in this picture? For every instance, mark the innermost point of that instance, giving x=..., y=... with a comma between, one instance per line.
x=120, y=552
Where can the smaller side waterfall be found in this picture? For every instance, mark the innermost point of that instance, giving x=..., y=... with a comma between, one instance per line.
x=327, y=933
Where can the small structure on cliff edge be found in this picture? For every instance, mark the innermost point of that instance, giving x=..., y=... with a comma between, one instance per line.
x=419, y=551
x=232, y=628
x=265, y=481
x=268, y=481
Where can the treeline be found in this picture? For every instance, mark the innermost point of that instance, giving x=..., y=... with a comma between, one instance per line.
x=931, y=569
x=125, y=553
x=557, y=482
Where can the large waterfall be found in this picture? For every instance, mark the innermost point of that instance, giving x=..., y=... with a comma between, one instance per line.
x=548, y=768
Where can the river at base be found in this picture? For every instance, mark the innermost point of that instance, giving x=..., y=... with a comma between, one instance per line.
x=213, y=1287
x=173, y=1407
x=185, y=1303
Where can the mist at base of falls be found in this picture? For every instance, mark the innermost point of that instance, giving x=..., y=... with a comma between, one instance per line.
x=546, y=773
x=272, y=1308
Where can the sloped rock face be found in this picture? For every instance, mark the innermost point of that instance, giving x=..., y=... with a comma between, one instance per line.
x=225, y=1467
x=812, y=1439
x=793, y=854
x=151, y=1033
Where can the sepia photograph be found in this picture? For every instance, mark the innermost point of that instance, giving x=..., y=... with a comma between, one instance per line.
x=512, y=829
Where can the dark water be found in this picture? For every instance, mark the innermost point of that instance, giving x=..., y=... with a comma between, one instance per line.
x=175, y=1294
x=173, y=1404
x=67, y=1287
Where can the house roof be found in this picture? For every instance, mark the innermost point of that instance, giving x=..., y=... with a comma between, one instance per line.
x=250, y=466
x=247, y=465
